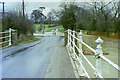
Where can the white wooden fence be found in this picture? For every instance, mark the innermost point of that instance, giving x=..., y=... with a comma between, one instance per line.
x=78, y=58
x=9, y=41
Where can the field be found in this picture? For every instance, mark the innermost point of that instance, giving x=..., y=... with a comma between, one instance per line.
x=49, y=29
x=38, y=25
x=46, y=27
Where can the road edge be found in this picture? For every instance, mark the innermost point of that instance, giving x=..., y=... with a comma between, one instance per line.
x=19, y=49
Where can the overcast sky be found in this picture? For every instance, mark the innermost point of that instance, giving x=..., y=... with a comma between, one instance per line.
x=29, y=6
x=34, y=4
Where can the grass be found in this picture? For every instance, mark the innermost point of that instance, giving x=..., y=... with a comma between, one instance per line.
x=62, y=30
x=49, y=29
x=30, y=41
x=46, y=26
x=38, y=25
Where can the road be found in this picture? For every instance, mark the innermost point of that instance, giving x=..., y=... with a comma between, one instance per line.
x=48, y=59
x=48, y=34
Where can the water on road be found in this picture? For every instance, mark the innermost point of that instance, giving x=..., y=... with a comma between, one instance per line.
x=110, y=46
x=47, y=59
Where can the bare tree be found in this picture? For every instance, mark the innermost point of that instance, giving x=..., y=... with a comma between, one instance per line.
x=105, y=13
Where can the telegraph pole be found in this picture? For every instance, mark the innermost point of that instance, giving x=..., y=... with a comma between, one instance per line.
x=3, y=8
x=23, y=7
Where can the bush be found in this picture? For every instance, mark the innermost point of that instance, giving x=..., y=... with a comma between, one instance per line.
x=80, y=26
x=15, y=20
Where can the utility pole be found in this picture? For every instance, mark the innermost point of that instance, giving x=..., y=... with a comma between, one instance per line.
x=3, y=8
x=3, y=14
x=23, y=7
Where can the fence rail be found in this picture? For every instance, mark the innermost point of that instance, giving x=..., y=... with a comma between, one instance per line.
x=9, y=41
x=78, y=58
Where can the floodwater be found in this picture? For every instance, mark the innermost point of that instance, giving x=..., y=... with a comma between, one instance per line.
x=110, y=46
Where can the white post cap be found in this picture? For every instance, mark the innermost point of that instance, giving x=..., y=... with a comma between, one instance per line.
x=99, y=41
x=80, y=34
x=73, y=31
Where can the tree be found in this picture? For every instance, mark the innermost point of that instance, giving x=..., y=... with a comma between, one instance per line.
x=83, y=16
x=50, y=17
x=103, y=12
x=119, y=16
x=16, y=21
x=68, y=17
x=94, y=16
x=36, y=15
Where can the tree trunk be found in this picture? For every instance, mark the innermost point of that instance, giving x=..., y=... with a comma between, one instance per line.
x=119, y=17
x=66, y=38
x=106, y=25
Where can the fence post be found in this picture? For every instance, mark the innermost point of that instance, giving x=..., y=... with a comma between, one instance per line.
x=73, y=45
x=80, y=70
x=10, y=36
x=99, y=41
x=80, y=42
x=68, y=38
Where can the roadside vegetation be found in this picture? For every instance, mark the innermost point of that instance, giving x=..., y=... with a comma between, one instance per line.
x=17, y=21
x=30, y=41
x=22, y=24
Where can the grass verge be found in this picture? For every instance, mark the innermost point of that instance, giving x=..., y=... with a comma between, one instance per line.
x=62, y=30
x=30, y=41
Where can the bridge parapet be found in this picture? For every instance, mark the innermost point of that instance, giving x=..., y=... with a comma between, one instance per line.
x=78, y=58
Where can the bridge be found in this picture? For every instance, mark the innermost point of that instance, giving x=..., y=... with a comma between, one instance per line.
x=76, y=58
x=51, y=59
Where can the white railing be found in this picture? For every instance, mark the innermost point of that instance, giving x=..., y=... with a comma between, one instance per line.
x=78, y=58
x=9, y=41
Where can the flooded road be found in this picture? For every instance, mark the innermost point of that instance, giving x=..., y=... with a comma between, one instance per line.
x=44, y=60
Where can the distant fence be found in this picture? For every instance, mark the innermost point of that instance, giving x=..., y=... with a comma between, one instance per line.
x=7, y=38
x=78, y=58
